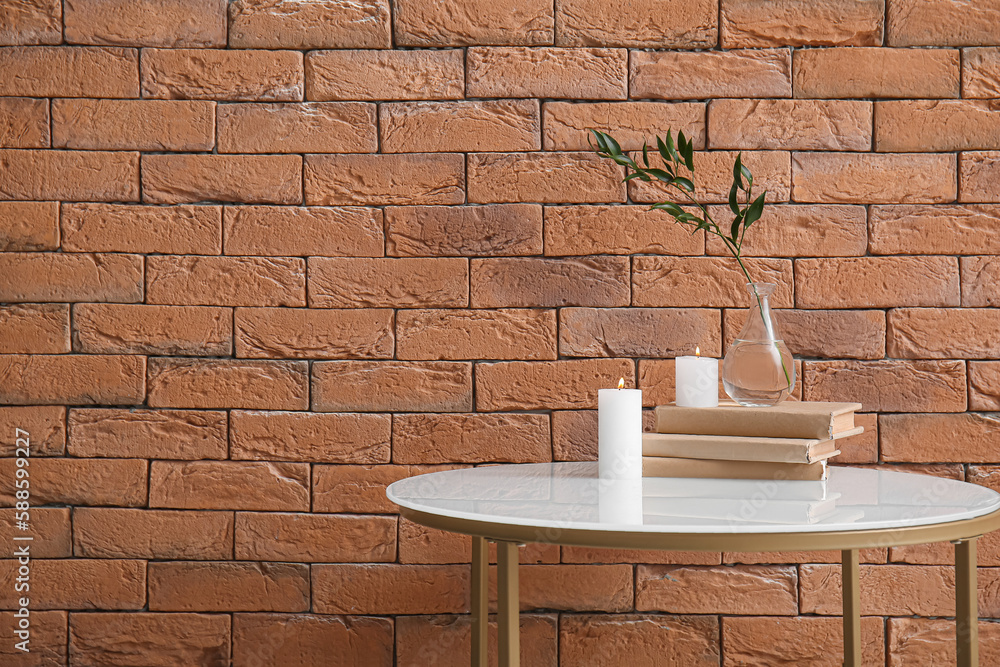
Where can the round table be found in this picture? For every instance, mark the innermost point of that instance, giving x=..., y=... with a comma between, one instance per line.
x=568, y=504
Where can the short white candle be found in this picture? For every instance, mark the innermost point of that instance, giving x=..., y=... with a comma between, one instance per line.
x=619, y=438
x=697, y=382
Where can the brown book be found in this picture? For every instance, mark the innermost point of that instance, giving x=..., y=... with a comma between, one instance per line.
x=740, y=448
x=790, y=419
x=664, y=466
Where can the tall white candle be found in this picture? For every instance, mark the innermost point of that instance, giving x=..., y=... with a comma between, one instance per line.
x=697, y=382
x=619, y=439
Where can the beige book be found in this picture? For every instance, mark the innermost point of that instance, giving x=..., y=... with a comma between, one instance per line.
x=790, y=419
x=740, y=448
x=664, y=466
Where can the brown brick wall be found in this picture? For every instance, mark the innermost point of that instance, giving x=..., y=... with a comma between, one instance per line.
x=259, y=259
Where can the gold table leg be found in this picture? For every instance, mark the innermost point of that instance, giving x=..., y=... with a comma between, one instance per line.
x=852, y=607
x=480, y=617
x=508, y=605
x=966, y=604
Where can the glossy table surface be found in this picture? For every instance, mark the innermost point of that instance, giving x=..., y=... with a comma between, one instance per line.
x=570, y=496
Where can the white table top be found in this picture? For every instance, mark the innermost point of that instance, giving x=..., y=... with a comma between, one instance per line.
x=565, y=496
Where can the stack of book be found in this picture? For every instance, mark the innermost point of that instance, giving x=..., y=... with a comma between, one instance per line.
x=790, y=441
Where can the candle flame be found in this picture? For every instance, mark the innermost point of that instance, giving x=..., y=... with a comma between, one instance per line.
x=697, y=351
x=621, y=383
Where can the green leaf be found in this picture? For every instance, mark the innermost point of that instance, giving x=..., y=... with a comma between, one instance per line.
x=661, y=175
x=738, y=172
x=662, y=147
x=615, y=149
x=669, y=207
x=686, y=148
x=734, y=205
x=684, y=183
x=747, y=175
x=636, y=174
x=755, y=210
x=602, y=144
x=645, y=153
x=671, y=149
x=734, y=229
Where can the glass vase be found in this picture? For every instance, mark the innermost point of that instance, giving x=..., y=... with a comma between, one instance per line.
x=758, y=369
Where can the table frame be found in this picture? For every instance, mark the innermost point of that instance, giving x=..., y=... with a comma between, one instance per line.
x=963, y=534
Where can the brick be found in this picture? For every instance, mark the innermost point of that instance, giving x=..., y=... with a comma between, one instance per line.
x=69, y=175
x=466, y=23
x=80, y=584
x=79, y=71
x=638, y=332
x=150, y=639
x=934, y=230
x=311, y=640
x=753, y=24
x=34, y=329
x=220, y=74
x=713, y=178
x=170, y=23
x=226, y=281
x=148, y=434
x=381, y=180
x=699, y=282
x=936, y=125
x=803, y=125
x=548, y=178
x=942, y=23
x=772, y=640
x=748, y=589
x=888, y=386
x=679, y=75
x=231, y=485
x=116, y=482
x=943, y=553
x=601, y=555
x=491, y=125
x=876, y=282
x=832, y=334
x=924, y=641
x=572, y=281
x=390, y=589
x=228, y=383
x=445, y=640
x=46, y=427
x=567, y=124
x=315, y=538
x=802, y=230
x=617, y=230
x=195, y=230
x=574, y=435
x=978, y=176
x=422, y=545
x=26, y=277
x=310, y=437
x=793, y=557
x=250, y=179
x=50, y=530
x=310, y=127
x=862, y=448
x=885, y=178
x=48, y=639
x=984, y=385
x=142, y=329
x=988, y=476
x=645, y=24
x=298, y=333
x=338, y=282
x=24, y=123
x=423, y=74
x=877, y=72
x=639, y=639
x=476, y=334
x=360, y=489
x=149, y=534
x=391, y=386
x=299, y=230
x=32, y=22
x=470, y=438
x=73, y=378
x=930, y=438
x=29, y=225
x=149, y=125
x=981, y=73
x=492, y=230
x=548, y=385
x=581, y=73
x=577, y=587
x=228, y=587
x=326, y=24
x=942, y=333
